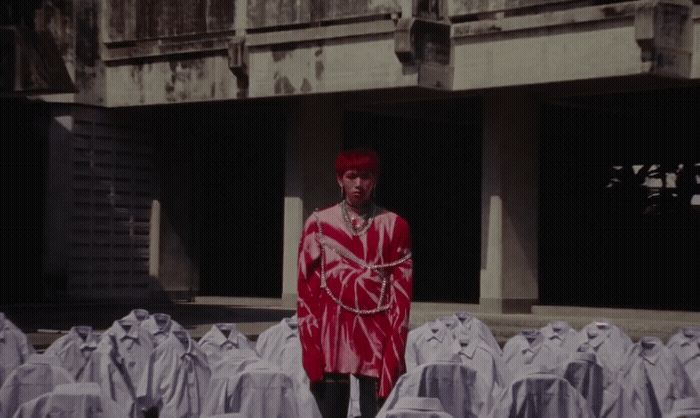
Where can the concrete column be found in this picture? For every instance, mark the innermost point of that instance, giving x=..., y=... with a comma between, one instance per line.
x=509, y=202
x=315, y=130
x=154, y=241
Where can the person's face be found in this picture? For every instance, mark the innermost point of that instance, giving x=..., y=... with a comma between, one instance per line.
x=357, y=186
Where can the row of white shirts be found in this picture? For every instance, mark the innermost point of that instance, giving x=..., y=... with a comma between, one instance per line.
x=464, y=337
x=656, y=377
x=280, y=346
x=456, y=389
x=121, y=373
x=144, y=361
x=448, y=389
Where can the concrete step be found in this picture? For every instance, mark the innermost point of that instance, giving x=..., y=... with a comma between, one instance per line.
x=254, y=315
x=656, y=315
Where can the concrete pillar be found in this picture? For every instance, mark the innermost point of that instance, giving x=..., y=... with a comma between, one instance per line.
x=154, y=241
x=509, y=203
x=315, y=130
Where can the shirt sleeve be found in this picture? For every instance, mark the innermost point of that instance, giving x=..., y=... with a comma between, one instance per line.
x=411, y=351
x=401, y=292
x=308, y=307
x=261, y=344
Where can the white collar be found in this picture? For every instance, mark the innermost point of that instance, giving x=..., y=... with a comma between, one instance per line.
x=219, y=338
x=291, y=326
x=85, y=335
x=597, y=332
x=556, y=329
x=139, y=314
x=458, y=346
x=691, y=333
x=162, y=321
x=533, y=340
x=120, y=331
x=650, y=348
x=436, y=330
x=183, y=340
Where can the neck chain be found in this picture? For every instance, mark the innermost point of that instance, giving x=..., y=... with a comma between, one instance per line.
x=348, y=222
x=334, y=298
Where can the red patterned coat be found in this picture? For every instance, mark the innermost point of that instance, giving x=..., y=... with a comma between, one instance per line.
x=336, y=338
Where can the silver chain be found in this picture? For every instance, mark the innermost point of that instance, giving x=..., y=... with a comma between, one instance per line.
x=376, y=268
x=356, y=260
x=348, y=221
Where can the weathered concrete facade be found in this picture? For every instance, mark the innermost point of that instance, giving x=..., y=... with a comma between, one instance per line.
x=513, y=56
x=126, y=53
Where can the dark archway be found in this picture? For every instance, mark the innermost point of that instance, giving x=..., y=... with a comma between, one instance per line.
x=616, y=225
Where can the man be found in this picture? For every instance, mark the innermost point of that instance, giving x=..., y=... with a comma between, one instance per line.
x=354, y=287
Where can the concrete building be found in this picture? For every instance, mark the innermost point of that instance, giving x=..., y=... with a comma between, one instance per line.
x=201, y=134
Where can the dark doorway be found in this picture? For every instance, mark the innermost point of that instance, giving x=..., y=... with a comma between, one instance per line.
x=23, y=159
x=617, y=228
x=241, y=201
x=430, y=173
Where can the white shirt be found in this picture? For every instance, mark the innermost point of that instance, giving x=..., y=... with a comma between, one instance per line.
x=541, y=395
x=468, y=321
x=38, y=375
x=354, y=402
x=224, y=342
x=529, y=348
x=14, y=347
x=176, y=379
x=263, y=390
x=561, y=335
x=427, y=342
x=685, y=408
x=462, y=392
x=470, y=350
x=607, y=340
x=77, y=353
x=280, y=345
x=686, y=346
x=160, y=325
x=653, y=378
x=583, y=372
x=125, y=349
x=75, y=400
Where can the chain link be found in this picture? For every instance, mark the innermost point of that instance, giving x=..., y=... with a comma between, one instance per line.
x=344, y=254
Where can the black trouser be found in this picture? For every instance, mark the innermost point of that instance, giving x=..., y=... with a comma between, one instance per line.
x=333, y=395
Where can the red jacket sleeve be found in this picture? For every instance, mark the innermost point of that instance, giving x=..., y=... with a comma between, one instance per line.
x=401, y=292
x=308, y=309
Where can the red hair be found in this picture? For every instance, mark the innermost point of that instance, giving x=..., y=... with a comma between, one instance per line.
x=357, y=159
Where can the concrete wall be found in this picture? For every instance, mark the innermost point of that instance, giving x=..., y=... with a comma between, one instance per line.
x=171, y=80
